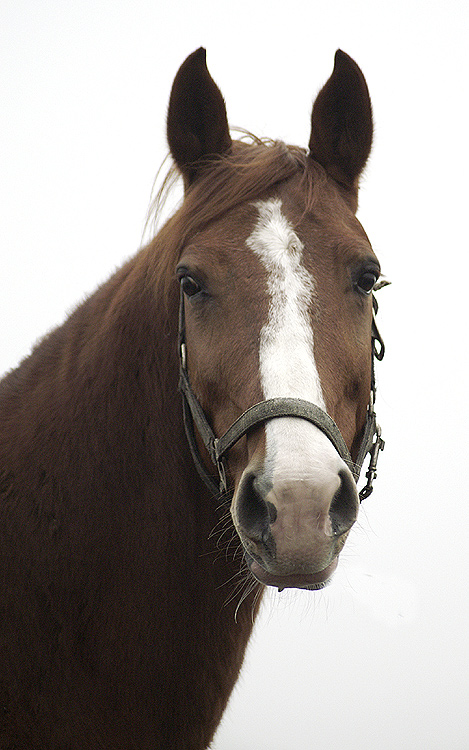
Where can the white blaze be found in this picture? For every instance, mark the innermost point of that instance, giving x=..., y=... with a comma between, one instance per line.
x=286, y=349
x=294, y=447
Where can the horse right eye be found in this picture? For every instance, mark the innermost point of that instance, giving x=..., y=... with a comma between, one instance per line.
x=189, y=286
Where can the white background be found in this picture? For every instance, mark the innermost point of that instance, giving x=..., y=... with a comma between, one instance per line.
x=380, y=659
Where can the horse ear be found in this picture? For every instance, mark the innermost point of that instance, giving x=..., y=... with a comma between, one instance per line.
x=341, y=123
x=197, y=126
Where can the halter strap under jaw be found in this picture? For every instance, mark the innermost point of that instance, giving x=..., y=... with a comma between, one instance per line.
x=217, y=448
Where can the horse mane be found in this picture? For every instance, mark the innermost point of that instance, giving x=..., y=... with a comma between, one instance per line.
x=251, y=168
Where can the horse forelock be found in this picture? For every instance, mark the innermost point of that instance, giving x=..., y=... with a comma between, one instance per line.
x=250, y=170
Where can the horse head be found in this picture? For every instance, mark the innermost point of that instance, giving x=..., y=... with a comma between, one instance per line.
x=276, y=276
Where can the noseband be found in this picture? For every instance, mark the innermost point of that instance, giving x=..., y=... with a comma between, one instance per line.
x=260, y=413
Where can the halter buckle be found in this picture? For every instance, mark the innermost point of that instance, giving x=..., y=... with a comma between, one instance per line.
x=371, y=474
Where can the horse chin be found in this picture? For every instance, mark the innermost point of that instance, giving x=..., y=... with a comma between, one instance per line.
x=309, y=581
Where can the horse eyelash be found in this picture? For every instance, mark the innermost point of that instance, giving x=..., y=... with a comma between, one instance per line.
x=382, y=282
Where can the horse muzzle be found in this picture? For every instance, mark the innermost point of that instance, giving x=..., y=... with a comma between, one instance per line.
x=293, y=527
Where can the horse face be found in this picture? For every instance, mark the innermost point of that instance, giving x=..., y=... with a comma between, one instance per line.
x=277, y=304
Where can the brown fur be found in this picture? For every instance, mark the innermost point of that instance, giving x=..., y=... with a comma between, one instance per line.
x=120, y=576
x=99, y=597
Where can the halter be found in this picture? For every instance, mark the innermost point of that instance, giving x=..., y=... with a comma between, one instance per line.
x=263, y=411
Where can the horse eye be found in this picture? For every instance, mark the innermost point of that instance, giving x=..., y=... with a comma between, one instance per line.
x=189, y=286
x=366, y=282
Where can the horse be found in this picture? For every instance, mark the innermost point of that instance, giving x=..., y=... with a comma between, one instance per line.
x=190, y=435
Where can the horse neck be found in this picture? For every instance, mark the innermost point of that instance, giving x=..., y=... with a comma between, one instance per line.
x=94, y=458
x=101, y=387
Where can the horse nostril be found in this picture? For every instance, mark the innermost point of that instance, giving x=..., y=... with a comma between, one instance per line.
x=344, y=507
x=254, y=513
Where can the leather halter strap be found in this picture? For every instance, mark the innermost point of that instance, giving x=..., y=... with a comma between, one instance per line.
x=263, y=411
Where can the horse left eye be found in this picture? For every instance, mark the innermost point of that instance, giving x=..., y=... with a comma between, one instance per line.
x=366, y=282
